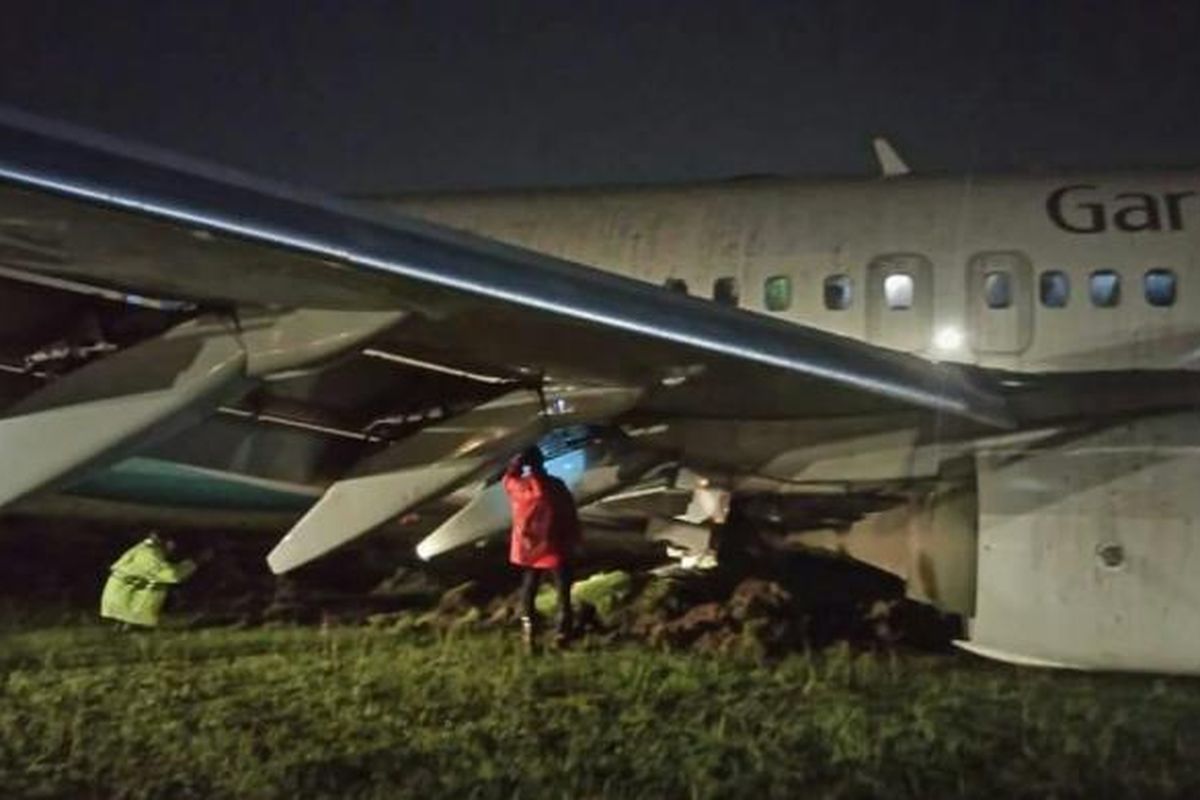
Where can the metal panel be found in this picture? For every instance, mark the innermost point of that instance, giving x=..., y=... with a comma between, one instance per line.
x=435, y=461
x=117, y=405
x=1000, y=327
x=109, y=408
x=929, y=542
x=1089, y=551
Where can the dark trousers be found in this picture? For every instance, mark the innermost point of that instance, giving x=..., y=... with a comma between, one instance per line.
x=530, y=581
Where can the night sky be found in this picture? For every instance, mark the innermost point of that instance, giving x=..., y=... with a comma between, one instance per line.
x=372, y=97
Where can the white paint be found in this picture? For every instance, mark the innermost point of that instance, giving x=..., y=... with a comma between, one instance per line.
x=1044, y=592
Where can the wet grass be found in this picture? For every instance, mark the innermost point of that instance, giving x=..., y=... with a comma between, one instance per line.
x=366, y=713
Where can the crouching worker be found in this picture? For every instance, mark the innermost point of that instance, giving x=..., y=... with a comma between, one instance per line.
x=545, y=533
x=137, y=584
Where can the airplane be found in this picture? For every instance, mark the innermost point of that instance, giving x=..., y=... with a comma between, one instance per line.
x=985, y=385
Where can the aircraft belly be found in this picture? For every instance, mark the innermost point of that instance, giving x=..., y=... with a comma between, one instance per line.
x=837, y=449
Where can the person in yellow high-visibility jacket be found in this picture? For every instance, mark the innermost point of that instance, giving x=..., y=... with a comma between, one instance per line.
x=138, y=581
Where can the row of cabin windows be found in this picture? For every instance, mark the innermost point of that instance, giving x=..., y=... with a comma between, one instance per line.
x=1159, y=287
x=1054, y=290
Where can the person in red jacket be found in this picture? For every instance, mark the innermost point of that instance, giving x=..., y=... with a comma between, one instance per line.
x=545, y=533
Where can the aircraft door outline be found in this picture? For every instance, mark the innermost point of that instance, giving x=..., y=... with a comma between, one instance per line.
x=899, y=296
x=1000, y=302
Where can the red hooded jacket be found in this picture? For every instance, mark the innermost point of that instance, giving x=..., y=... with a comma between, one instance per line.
x=545, y=527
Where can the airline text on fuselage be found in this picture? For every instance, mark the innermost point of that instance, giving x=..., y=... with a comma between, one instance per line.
x=1087, y=208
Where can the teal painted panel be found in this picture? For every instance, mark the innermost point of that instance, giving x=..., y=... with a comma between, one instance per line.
x=152, y=481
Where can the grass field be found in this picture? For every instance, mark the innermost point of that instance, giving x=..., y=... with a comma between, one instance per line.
x=355, y=712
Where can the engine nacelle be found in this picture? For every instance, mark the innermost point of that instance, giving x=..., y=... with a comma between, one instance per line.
x=1071, y=552
x=1089, y=550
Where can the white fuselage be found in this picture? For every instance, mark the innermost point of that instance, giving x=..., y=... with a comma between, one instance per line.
x=1079, y=549
x=946, y=235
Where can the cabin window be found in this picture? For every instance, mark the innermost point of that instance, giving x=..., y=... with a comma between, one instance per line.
x=838, y=292
x=725, y=291
x=677, y=285
x=898, y=289
x=1160, y=287
x=997, y=289
x=1105, y=288
x=1054, y=288
x=777, y=293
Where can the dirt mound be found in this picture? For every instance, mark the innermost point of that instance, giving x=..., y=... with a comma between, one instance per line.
x=711, y=611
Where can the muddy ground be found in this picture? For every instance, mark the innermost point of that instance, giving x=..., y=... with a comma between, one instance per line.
x=772, y=603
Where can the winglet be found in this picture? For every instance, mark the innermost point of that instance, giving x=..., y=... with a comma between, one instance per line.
x=890, y=162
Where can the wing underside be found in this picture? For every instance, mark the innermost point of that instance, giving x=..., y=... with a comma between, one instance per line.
x=256, y=289
x=149, y=224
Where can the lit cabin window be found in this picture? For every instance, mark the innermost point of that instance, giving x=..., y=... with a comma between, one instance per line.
x=838, y=292
x=1105, y=288
x=725, y=291
x=1160, y=287
x=777, y=293
x=997, y=290
x=898, y=289
x=677, y=285
x=1054, y=288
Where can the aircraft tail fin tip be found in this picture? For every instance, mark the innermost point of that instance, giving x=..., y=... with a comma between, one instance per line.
x=891, y=165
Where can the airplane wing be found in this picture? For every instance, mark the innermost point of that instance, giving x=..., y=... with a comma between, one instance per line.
x=273, y=281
